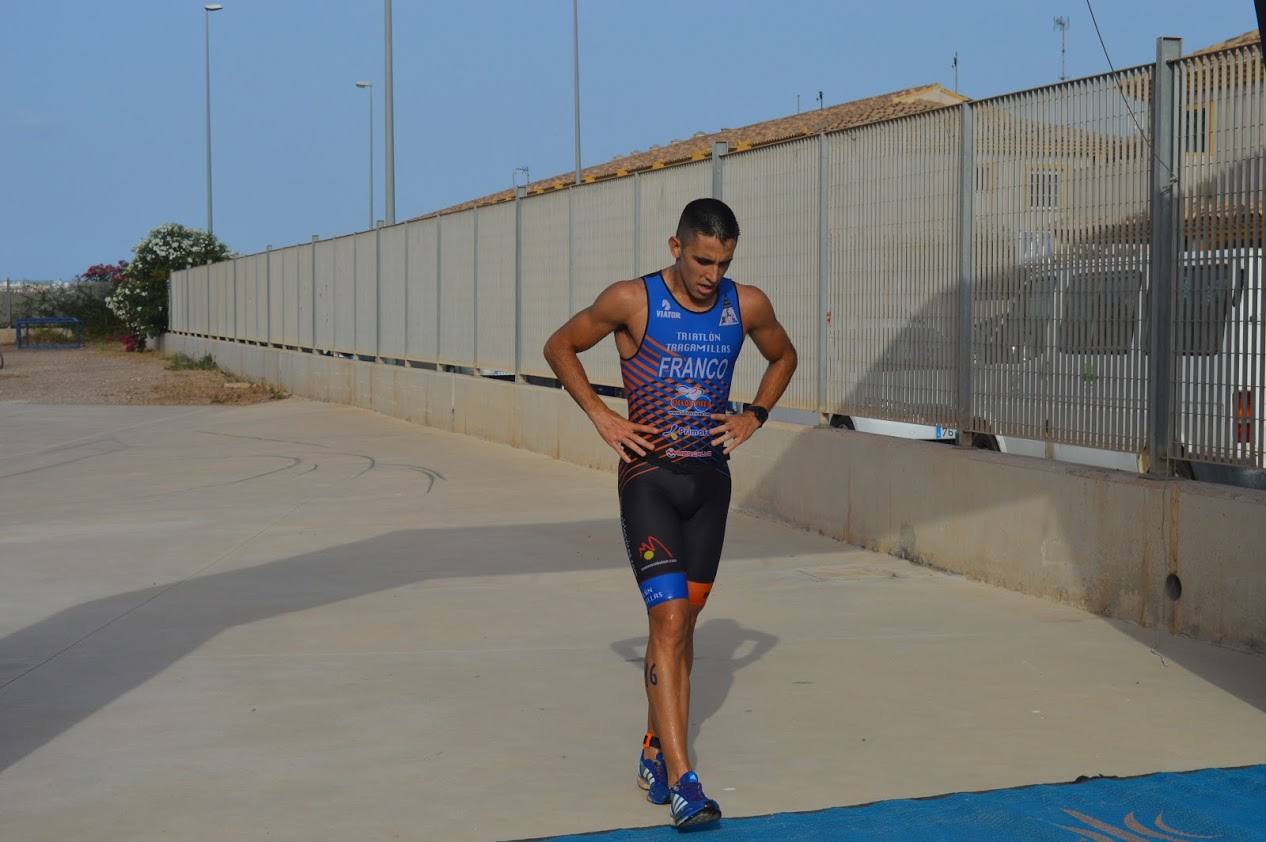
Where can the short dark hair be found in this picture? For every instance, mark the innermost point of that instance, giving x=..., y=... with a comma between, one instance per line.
x=710, y=217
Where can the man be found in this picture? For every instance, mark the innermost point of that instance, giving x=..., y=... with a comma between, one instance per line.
x=678, y=332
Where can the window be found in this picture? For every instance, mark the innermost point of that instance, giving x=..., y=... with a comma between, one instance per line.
x=1100, y=312
x=1044, y=189
x=1203, y=307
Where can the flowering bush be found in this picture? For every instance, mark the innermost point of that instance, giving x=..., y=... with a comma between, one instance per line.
x=113, y=274
x=140, y=305
x=171, y=247
x=140, y=300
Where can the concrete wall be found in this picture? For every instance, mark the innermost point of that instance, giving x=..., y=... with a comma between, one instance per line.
x=1101, y=540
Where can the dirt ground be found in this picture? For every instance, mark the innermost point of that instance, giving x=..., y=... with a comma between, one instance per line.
x=103, y=373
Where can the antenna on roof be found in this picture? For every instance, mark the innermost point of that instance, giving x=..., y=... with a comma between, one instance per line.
x=954, y=64
x=797, y=103
x=820, y=105
x=1061, y=25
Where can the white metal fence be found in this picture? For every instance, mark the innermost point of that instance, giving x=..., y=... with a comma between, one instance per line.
x=986, y=266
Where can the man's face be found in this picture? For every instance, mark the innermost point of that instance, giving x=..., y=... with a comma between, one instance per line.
x=701, y=263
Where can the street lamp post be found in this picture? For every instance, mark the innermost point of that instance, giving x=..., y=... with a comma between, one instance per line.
x=389, y=107
x=206, y=19
x=575, y=43
x=369, y=86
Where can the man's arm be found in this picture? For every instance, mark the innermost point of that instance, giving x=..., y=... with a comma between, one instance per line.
x=775, y=346
x=608, y=313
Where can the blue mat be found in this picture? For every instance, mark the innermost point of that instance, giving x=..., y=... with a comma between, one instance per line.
x=1224, y=804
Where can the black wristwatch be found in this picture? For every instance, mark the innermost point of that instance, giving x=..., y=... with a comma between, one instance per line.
x=761, y=413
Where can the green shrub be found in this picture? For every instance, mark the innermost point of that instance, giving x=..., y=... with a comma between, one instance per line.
x=83, y=300
x=184, y=362
x=140, y=301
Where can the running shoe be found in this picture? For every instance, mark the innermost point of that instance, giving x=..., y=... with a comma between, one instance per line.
x=690, y=807
x=653, y=777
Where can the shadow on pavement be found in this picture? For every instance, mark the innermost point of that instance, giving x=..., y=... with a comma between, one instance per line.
x=722, y=648
x=50, y=679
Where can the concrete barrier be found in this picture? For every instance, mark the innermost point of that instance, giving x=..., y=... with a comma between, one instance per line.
x=1106, y=541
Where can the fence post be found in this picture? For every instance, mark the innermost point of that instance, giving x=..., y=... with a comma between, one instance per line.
x=824, y=256
x=378, y=291
x=268, y=295
x=405, y=355
x=966, y=198
x=719, y=150
x=1164, y=258
x=519, y=193
x=312, y=294
x=637, y=224
x=474, y=292
x=571, y=251
x=439, y=289
x=207, y=319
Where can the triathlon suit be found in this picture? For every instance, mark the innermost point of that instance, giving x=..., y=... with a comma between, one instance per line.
x=674, y=500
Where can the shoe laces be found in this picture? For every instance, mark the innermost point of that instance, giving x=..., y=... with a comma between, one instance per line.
x=691, y=790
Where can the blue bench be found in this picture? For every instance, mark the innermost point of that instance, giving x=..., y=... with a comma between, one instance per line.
x=24, y=327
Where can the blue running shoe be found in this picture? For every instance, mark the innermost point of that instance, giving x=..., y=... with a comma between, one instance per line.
x=653, y=777
x=690, y=807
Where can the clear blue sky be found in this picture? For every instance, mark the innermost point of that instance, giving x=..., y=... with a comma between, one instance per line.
x=101, y=122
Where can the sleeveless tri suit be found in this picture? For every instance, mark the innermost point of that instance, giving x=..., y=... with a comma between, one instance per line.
x=673, y=501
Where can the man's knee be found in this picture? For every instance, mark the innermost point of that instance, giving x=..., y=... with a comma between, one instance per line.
x=671, y=621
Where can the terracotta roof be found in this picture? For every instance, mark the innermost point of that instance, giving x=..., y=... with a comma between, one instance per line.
x=847, y=115
x=1250, y=37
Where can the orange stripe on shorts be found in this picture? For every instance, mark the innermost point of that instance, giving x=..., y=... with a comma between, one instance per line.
x=698, y=592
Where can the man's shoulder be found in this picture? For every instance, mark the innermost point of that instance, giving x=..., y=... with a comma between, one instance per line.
x=630, y=294
x=751, y=294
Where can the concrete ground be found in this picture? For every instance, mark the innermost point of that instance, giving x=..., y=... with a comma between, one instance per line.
x=300, y=621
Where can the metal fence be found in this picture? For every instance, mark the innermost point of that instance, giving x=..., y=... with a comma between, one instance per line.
x=987, y=266
x=22, y=298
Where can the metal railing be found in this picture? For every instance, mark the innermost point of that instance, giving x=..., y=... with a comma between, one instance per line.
x=986, y=266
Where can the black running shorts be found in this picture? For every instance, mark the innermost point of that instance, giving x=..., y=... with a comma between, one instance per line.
x=674, y=526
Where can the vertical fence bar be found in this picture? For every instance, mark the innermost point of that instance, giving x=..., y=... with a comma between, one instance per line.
x=519, y=193
x=966, y=198
x=268, y=294
x=1164, y=256
x=439, y=288
x=824, y=234
x=378, y=290
x=208, y=315
x=571, y=252
x=405, y=346
x=474, y=292
x=719, y=150
x=312, y=308
x=355, y=299
x=637, y=225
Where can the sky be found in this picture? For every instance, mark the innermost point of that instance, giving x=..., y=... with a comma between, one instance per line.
x=102, y=132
